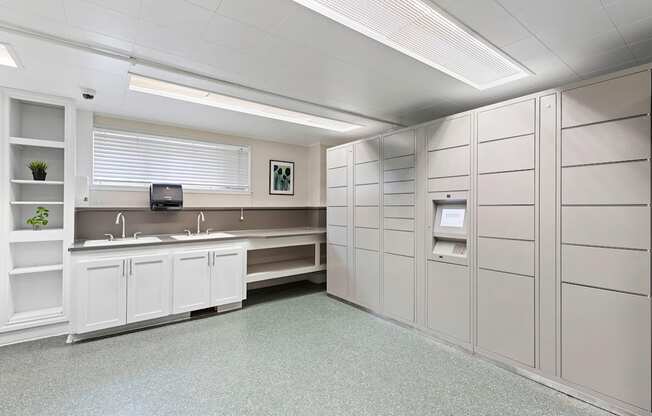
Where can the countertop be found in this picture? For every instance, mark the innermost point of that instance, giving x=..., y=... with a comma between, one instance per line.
x=235, y=235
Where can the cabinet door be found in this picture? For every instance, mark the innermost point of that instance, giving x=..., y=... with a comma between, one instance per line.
x=227, y=276
x=148, y=287
x=101, y=294
x=192, y=281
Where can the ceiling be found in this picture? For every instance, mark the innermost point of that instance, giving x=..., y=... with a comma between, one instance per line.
x=281, y=47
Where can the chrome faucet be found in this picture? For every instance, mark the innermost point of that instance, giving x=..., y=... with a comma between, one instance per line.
x=119, y=217
x=200, y=219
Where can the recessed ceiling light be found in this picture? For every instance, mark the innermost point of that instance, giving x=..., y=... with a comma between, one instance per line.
x=417, y=29
x=154, y=86
x=8, y=56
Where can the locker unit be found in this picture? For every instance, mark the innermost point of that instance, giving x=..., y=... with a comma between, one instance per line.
x=399, y=200
x=605, y=239
x=506, y=166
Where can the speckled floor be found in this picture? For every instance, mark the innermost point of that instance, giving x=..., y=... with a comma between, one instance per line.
x=304, y=354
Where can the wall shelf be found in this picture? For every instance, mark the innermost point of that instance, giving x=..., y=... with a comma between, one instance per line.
x=35, y=269
x=50, y=144
x=26, y=236
x=36, y=202
x=33, y=182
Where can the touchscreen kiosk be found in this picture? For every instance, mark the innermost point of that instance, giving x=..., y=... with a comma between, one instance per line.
x=449, y=230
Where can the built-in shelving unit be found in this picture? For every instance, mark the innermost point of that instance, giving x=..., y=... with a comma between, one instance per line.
x=34, y=282
x=273, y=263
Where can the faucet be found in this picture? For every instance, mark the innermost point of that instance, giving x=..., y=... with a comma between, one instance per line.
x=200, y=219
x=119, y=217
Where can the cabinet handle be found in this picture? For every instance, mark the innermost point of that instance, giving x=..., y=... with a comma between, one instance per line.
x=131, y=267
x=124, y=268
x=208, y=256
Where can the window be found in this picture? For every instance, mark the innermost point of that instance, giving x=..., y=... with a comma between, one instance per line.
x=129, y=159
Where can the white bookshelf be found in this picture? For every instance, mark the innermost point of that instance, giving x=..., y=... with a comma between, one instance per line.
x=34, y=290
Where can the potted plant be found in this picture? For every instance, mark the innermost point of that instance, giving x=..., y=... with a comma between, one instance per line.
x=39, y=169
x=40, y=219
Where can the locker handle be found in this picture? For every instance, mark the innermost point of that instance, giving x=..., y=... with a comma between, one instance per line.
x=131, y=267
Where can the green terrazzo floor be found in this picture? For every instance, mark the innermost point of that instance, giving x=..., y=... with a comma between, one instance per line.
x=302, y=354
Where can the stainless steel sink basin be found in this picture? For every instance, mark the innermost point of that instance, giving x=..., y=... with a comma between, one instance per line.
x=121, y=241
x=204, y=236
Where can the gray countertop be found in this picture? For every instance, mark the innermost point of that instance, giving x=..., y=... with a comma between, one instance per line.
x=234, y=235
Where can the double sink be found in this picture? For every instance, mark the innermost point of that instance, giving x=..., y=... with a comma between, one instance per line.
x=151, y=240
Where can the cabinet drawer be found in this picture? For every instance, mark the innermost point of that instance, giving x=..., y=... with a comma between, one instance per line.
x=337, y=197
x=336, y=177
x=337, y=279
x=367, y=151
x=337, y=235
x=617, y=183
x=406, y=187
x=506, y=315
x=367, y=217
x=607, y=100
x=623, y=227
x=337, y=157
x=399, y=199
x=507, y=154
x=449, y=300
x=512, y=188
x=506, y=222
x=367, y=238
x=398, y=212
x=399, y=144
x=398, y=242
x=513, y=256
x=367, y=195
x=398, y=287
x=608, y=268
x=336, y=216
x=399, y=224
x=457, y=183
x=450, y=132
x=507, y=121
x=449, y=162
x=614, y=141
x=606, y=343
x=399, y=163
x=367, y=173
x=367, y=279
x=398, y=175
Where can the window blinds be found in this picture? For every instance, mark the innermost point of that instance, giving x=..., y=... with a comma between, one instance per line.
x=129, y=159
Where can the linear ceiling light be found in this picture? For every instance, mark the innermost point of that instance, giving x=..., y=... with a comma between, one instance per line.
x=179, y=92
x=7, y=56
x=417, y=29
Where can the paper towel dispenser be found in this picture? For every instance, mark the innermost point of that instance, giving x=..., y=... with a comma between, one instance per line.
x=163, y=197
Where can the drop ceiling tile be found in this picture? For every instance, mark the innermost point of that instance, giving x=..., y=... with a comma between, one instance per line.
x=624, y=12
x=638, y=31
x=642, y=50
x=128, y=7
x=52, y=9
x=575, y=49
x=487, y=18
x=589, y=64
x=226, y=31
x=263, y=14
x=90, y=17
x=182, y=42
x=174, y=13
x=211, y=5
x=536, y=57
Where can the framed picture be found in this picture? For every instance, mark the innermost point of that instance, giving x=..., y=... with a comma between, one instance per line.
x=281, y=177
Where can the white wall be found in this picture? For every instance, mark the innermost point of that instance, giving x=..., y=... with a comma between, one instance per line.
x=309, y=189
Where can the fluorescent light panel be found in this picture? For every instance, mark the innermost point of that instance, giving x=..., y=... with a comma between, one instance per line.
x=417, y=29
x=153, y=86
x=7, y=56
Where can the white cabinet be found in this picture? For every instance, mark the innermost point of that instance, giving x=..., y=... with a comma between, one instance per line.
x=203, y=279
x=102, y=294
x=192, y=281
x=227, y=276
x=148, y=287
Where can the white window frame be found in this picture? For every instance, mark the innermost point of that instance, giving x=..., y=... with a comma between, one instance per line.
x=190, y=189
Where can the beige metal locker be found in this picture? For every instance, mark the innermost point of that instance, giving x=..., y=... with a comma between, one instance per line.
x=399, y=212
x=367, y=151
x=511, y=188
x=398, y=287
x=367, y=195
x=367, y=238
x=448, y=300
x=619, y=227
x=367, y=278
x=398, y=144
x=510, y=120
x=399, y=163
x=367, y=173
x=399, y=242
x=503, y=155
x=449, y=132
x=337, y=197
x=449, y=162
x=513, y=256
x=399, y=199
x=507, y=221
x=336, y=234
x=368, y=217
x=399, y=224
x=610, y=184
x=337, y=177
x=399, y=175
x=337, y=216
x=457, y=183
x=405, y=187
x=338, y=265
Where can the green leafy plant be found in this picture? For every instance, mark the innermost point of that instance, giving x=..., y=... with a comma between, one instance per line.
x=39, y=169
x=40, y=219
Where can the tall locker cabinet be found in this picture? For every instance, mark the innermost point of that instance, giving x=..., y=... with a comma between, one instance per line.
x=506, y=189
x=448, y=278
x=399, y=200
x=339, y=219
x=605, y=239
x=367, y=224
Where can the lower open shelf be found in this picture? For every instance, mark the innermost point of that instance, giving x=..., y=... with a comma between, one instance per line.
x=18, y=236
x=54, y=313
x=273, y=270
